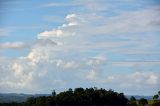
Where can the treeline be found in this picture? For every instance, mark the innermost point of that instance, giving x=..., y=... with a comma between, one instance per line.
x=145, y=102
x=82, y=97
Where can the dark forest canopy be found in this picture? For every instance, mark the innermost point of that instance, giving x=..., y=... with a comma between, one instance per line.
x=82, y=97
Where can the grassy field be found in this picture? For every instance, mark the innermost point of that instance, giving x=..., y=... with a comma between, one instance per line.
x=150, y=102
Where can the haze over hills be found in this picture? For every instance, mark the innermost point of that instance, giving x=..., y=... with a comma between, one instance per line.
x=17, y=97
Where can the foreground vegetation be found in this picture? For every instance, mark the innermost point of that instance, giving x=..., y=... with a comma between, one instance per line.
x=85, y=97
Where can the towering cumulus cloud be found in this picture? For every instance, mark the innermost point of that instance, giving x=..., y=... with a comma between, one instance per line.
x=97, y=43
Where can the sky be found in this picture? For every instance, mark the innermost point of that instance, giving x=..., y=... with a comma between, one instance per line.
x=62, y=44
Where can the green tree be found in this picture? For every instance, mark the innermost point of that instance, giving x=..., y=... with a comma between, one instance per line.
x=78, y=97
x=31, y=101
x=159, y=93
x=50, y=101
x=155, y=97
x=143, y=102
x=132, y=101
x=53, y=93
x=78, y=90
x=156, y=101
x=132, y=98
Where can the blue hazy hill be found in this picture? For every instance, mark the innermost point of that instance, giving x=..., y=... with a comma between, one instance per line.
x=16, y=97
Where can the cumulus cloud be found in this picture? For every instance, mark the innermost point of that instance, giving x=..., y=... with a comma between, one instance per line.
x=71, y=17
x=17, y=75
x=62, y=30
x=137, y=80
x=121, y=26
x=133, y=82
x=92, y=75
x=75, y=45
x=18, y=69
x=66, y=64
x=38, y=55
x=55, y=33
x=46, y=42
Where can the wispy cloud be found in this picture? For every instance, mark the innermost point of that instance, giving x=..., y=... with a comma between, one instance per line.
x=13, y=45
x=5, y=32
x=59, y=4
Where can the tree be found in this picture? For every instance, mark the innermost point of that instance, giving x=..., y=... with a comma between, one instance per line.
x=132, y=98
x=143, y=102
x=156, y=102
x=78, y=97
x=132, y=101
x=31, y=101
x=53, y=93
x=50, y=101
x=155, y=97
x=159, y=93
x=78, y=90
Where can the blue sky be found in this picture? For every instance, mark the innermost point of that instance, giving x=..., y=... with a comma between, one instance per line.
x=59, y=44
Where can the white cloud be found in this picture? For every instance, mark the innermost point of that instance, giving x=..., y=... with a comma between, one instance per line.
x=63, y=30
x=125, y=22
x=72, y=20
x=144, y=77
x=21, y=75
x=59, y=63
x=98, y=60
x=66, y=64
x=137, y=80
x=93, y=33
x=118, y=27
x=72, y=24
x=38, y=55
x=69, y=64
x=94, y=5
x=17, y=75
x=18, y=69
x=92, y=75
x=71, y=17
x=153, y=79
x=55, y=33
x=140, y=80
x=46, y=43
x=13, y=45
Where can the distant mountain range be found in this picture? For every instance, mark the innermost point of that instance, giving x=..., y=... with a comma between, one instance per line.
x=15, y=97
x=139, y=97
